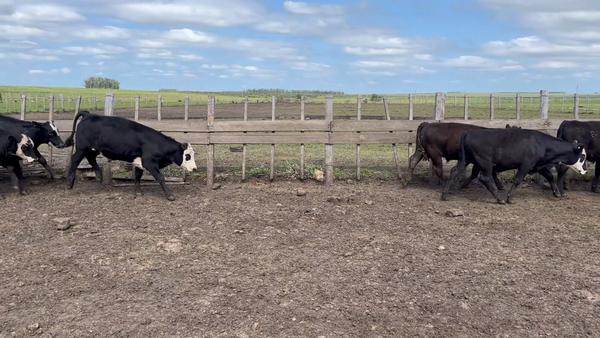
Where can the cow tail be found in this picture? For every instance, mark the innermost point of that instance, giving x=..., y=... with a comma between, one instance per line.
x=559, y=133
x=419, y=144
x=69, y=142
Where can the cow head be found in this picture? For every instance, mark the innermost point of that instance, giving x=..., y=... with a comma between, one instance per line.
x=51, y=135
x=22, y=148
x=578, y=153
x=184, y=157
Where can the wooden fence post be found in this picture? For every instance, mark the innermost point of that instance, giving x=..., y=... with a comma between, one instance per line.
x=543, y=104
x=440, y=106
x=136, y=114
x=394, y=147
x=518, y=106
x=23, y=106
x=329, y=146
x=109, y=100
x=95, y=102
x=272, y=174
x=492, y=106
x=358, y=118
x=244, y=147
x=159, y=107
x=576, y=106
x=302, y=156
x=466, y=107
x=186, y=112
x=78, y=104
x=410, y=118
x=210, y=160
x=51, y=118
x=62, y=102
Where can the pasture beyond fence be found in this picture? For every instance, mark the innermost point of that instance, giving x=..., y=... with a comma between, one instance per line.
x=329, y=132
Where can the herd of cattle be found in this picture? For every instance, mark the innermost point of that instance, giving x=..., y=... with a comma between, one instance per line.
x=489, y=150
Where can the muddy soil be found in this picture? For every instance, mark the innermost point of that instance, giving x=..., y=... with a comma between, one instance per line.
x=254, y=259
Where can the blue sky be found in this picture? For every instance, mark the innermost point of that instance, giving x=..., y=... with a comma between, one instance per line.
x=363, y=46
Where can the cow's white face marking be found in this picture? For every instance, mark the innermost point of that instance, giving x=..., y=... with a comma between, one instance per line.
x=188, y=162
x=24, y=141
x=137, y=162
x=578, y=166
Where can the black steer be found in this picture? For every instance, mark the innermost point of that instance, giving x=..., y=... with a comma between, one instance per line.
x=528, y=151
x=442, y=140
x=588, y=134
x=39, y=133
x=118, y=138
x=13, y=149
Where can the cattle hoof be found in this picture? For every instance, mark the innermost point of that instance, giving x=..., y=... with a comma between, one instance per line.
x=502, y=202
x=139, y=193
x=171, y=198
x=444, y=197
x=501, y=187
x=1, y=198
x=23, y=192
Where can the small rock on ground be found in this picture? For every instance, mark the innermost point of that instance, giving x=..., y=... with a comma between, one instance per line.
x=301, y=192
x=63, y=223
x=455, y=213
x=216, y=186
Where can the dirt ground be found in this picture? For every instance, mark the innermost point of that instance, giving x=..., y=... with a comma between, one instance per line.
x=254, y=259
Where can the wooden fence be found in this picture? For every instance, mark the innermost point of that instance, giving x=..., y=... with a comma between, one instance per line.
x=329, y=132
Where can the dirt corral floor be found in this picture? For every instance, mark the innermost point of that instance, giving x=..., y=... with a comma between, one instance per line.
x=256, y=260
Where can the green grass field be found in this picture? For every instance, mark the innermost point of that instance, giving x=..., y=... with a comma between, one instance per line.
x=38, y=100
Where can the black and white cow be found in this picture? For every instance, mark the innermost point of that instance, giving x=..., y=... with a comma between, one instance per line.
x=13, y=149
x=39, y=133
x=588, y=134
x=528, y=151
x=118, y=138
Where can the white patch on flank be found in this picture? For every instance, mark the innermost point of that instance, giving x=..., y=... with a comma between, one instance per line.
x=137, y=162
x=189, y=165
x=578, y=166
x=24, y=141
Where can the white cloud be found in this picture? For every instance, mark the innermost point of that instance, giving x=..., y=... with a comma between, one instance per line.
x=223, y=76
x=189, y=75
x=215, y=66
x=44, y=13
x=584, y=75
x=53, y=71
x=223, y=13
x=299, y=7
x=6, y=7
x=376, y=64
x=2, y=56
x=534, y=46
x=100, y=50
x=31, y=57
x=424, y=57
x=371, y=82
x=8, y=32
x=309, y=66
x=146, y=53
x=171, y=64
x=556, y=65
x=376, y=73
x=83, y=63
x=102, y=33
x=411, y=81
x=188, y=35
x=375, y=51
x=481, y=63
x=18, y=44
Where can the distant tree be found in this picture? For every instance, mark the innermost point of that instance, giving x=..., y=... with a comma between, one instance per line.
x=167, y=90
x=376, y=98
x=101, y=82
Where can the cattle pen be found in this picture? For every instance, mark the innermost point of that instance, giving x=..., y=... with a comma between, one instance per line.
x=257, y=259
x=318, y=129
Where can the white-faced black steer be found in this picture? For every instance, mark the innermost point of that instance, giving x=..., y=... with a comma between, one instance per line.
x=13, y=149
x=39, y=133
x=117, y=138
x=528, y=151
x=588, y=134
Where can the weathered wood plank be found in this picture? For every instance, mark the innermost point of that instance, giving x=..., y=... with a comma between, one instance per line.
x=240, y=138
x=250, y=126
x=375, y=138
